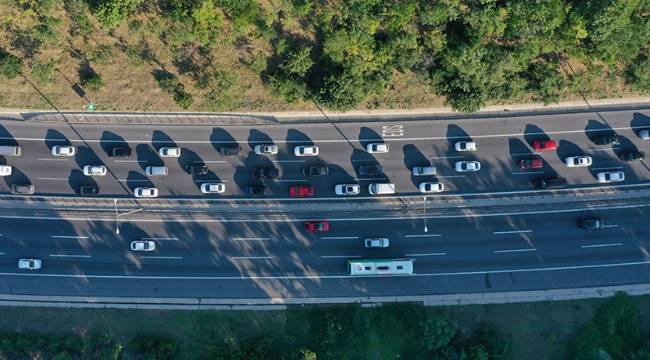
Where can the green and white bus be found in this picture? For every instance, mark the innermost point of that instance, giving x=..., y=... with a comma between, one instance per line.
x=381, y=267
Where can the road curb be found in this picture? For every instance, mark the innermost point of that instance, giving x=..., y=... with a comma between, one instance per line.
x=284, y=303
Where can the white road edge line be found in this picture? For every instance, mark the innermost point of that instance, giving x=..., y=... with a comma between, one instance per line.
x=68, y=237
x=423, y=235
x=430, y=254
x=73, y=256
x=339, y=256
x=513, y=250
x=600, y=245
x=339, y=238
x=512, y=232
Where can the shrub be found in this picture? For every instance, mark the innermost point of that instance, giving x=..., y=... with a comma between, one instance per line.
x=112, y=13
x=10, y=66
x=154, y=347
x=78, y=14
x=46, y=31
x=43, y=72
x=92, y=81
x=438, y=334
x=638, y=73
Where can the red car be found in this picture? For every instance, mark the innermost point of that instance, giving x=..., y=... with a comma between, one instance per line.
x=301, y=191
x=531, y=164
x=317, y=226
x=544, y=145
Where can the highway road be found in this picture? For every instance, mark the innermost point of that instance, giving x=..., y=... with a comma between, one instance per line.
x=502, y=142
x=267, y=256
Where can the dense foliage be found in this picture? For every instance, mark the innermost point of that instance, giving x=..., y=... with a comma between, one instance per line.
x=343, y=53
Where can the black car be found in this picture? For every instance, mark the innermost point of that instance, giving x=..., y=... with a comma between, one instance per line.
x=606, y=139
x=230, y=150
x=88, y=190
x=121, y=151
x=198, y=168
x=632, y=155
x=549, y=183
x=265, y=172
x=255, y=189
x=590, y=224
x=371, y=170
x=315, y=170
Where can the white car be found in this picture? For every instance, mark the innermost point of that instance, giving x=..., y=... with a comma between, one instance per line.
x=305, y=150
x=431, y=187
x=95, y=170
x=376, y=243
x=5, y=170
x=377, y=148
x=347, y=189
x=58, y=150
x=465, y=146
x=213, y=188
x=172, y=152
x=156, y=170
x=30, y=264
x=466, y=166
x=145, y=192
x=578, y=161
x=143, y=245
x=266, y=149
x=644, y=134
x=610, y=176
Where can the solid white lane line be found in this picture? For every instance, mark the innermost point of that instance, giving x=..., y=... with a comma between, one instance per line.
x=161, y=257
x=251, y=257
x=53, y=159
x=608, y=168
x=610, y=226
x=449, y=176
x=53, y=179
x=512, y=232
x=370, y=179
x=422, y=235
x=68, y=237
x=210, y=181
x=430, y=254
x=514, y=250
x=159, y=238
x=526, y=172
x=339, y=238
x=340, y=256
x=130, y=161
x=291, y=180
x=215, y=161
x=600, y=245
x=446, y=157
x=133, y=180
x=72, y=256
x=251, y=239
x=525, y=153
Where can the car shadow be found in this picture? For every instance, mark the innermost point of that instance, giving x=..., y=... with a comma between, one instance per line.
x=55, y=137
x=109, y=140
x=220, y=138
x=77, y=179
x=134, y=180
x=566, y=148
x=596, y=128
x=639, y=122
x=16, y=177
x=369, y=136
x=414, y=157
x=147, y=156
x=87, y=156
x=534, y=132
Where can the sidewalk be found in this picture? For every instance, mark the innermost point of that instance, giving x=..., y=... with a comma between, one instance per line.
x=225, y=119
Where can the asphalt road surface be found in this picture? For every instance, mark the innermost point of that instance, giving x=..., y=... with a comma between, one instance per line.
x=502, y=143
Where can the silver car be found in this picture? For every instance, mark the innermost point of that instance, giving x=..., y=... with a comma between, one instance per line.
x=377, y=148
x=266, y=149
x=376, y=243
x=59, y=150
x=145, y=192
x=156, y=170
x=94, y=170
x=213, y=188
x=423, y=170
x=170, y=152
x=431, y=187
x=30, y=264
x=578, y=161
x=347, y=189
x=143, y=245
x=610, y=176
x=466, y=166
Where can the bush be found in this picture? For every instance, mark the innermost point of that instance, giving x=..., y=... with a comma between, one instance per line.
x=92, y=81
x=487, y=340
x=439, y=334
x=103, y=54
x=638, y=73
x=154, y=347
x=10, y=66
x=112, y=13
x=46, y=31
x=43, y=72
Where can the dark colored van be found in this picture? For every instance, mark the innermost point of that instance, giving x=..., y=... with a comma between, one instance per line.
x=549, y=183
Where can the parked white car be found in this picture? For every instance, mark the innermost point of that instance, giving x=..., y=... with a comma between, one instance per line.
x=431, y=187
x=377, y=148
x=156, y=170
x=347, y=189
x=305, y=150
x=610, y=176
x=465, y=146
x=59, y=150
x=95, y=170
x=578, y=161
x=423, y=170
x=467, y=166
x=30, y=264
x=376, y=242
x=213, y=188
x=143, y=245
x=5, y=170
x=145, y=192
x=266, y=149
x=172, y=152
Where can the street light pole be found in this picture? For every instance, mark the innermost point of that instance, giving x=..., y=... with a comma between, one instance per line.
x=424, y=207
x=117, y=224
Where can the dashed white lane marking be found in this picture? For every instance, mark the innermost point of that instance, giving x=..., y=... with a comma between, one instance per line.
x=450, y=176
x=512, y=232
x=68, y=237
x=251, y=257
x=525, y=153
x=133, y=180
x=71, y=256
x=513, y=250
x=610, y=226
x=45, y=159
x=446, y=157
x=600, y=245
x=291, y=180
x=608, y=168
x=251, y=238
x=526, y=172
x=215, y=161
x=426, y=254
x=159, y=238
x=422, y=235
x=53, y=179
x=340, y=256
x=339, y=238
x=210, y=181
x=162, y=257
x=288, y=161
x=130, y=161
x=371, y=179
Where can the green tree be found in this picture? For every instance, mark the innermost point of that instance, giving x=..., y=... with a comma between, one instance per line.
x=112, y=13
x=154, y=347
x=10, y=65
x=439, y=334
x=638, y=73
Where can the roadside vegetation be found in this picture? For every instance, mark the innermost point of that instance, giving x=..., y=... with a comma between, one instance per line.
x=215, y=55
x=616, y=328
